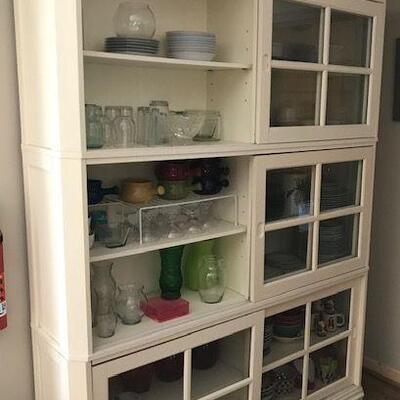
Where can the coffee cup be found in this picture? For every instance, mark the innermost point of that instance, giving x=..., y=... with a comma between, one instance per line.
x=334, y=321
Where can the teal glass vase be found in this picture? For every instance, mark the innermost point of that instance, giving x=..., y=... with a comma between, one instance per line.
x=171, y=272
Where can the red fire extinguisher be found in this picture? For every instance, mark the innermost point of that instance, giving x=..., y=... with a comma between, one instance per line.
x=3, y=305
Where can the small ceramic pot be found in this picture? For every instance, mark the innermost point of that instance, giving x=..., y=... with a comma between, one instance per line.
x=137, y=191
x=175, y=190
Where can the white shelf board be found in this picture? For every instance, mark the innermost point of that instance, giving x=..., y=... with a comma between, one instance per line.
x=206, y=150
x=127, y=336
x=101, y=253
x=204, y=382
x=100, y=57
x=156, y=153
x=281, y=353
x=318, y=341
x=210, y=380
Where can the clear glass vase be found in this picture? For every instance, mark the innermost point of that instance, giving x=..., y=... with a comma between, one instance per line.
x=104, y=287
x=128, y=303
x=212, y=279
x=134, y=19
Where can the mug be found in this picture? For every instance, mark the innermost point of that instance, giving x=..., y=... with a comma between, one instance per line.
x=139, y=191
x=334, y=321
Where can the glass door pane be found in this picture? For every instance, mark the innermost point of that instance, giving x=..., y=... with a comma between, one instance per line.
x=327, y=366
x=289, y=193
x=162, y=379
x=283, y=383
x=294, y=98
x=330, y=316
x=350, y=39
x=221, y=363
x=296, y=32
x=283, y=335
x=287, y=251
x=338, y=239
x=347, y=99
x=242, y=394
x=341, y=185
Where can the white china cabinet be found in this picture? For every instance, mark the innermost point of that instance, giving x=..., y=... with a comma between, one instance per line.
x=297, y=85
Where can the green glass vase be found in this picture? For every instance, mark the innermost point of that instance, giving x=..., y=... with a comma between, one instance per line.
x=171, y=272
x=192, y=260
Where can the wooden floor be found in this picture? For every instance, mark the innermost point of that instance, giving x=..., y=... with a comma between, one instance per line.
x=376, y=389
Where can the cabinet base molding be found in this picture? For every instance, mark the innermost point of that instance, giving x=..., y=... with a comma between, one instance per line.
x=384, y=371
x=351, y=393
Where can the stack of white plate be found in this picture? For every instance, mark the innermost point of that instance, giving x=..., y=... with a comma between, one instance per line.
x=189, y=45
x=145, y=47
x=333, y=196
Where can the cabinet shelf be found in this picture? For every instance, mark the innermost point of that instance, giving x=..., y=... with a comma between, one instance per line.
x=140, y=61
x=148, y=330
x=101, y=253
x=159, y=153
x=218, y=377
x=282, y=353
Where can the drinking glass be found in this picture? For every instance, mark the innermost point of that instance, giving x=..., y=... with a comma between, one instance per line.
x=193, y=221
x=94, y=127
x=108, y=131
x=125, y=129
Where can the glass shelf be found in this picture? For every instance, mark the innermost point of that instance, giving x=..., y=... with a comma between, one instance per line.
x=136, y=215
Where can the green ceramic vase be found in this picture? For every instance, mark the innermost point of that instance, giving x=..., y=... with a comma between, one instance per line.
x=193, y=256
x=171, y=272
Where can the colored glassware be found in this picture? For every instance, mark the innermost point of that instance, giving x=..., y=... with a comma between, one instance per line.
x=192, y=261
x=212, y=279
x=171, y=274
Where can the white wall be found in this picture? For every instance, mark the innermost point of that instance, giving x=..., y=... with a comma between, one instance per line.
x=15, y=352
x=383, y=315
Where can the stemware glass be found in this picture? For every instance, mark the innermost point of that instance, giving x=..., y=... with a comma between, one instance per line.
x=174, y=230
x=149, y=227
x=206, y=218
x=193, y=223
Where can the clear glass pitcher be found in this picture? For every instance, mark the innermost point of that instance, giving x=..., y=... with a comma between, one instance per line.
x=128, y=303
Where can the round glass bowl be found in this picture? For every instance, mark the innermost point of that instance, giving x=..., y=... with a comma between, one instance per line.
x=134, y=19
